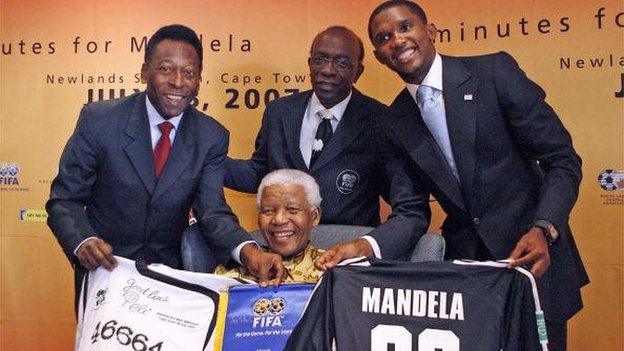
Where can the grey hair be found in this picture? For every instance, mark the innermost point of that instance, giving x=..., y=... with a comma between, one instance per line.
x=295, y=177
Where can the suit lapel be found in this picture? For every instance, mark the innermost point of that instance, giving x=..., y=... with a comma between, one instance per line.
x=180, y=156
x=422, y=147
x=349, y=128
x=460, y=94
x=139, y=149
x=292, y=120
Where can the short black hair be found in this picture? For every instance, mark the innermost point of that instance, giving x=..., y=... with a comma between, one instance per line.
x=345, y=30
x=175, y=32
x=411, y=6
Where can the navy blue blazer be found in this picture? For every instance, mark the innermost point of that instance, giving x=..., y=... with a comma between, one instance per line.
x=348, y=170
x=106, y=184
x=516, y=165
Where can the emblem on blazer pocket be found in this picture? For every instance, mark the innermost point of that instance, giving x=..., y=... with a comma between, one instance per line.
x=347, y=181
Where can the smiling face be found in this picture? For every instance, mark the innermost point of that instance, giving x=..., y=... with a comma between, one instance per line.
x=403, y=42
x=172, y=75
x=334, y=66
x=286, y=218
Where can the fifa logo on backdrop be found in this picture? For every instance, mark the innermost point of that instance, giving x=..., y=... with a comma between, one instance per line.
x=9, y=173
x=267, y=312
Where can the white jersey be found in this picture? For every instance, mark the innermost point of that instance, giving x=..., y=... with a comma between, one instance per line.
x=153, y=308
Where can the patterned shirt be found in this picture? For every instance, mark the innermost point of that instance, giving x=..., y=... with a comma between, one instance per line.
x=300, y=268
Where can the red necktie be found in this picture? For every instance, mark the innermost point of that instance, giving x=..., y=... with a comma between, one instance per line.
x=163, y=147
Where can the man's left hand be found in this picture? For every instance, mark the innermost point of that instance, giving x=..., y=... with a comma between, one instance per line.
x=266, y=266
x=532, y=248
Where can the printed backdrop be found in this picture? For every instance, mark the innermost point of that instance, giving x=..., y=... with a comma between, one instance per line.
x=58, y=55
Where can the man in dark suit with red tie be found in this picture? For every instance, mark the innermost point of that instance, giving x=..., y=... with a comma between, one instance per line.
x=477, y=134
x=328, y=132
x=135, y=166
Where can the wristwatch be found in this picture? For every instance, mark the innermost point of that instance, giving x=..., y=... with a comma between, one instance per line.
x=548, y=229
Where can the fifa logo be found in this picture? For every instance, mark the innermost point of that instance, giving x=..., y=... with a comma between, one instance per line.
x=267, y=312
x=8, y=173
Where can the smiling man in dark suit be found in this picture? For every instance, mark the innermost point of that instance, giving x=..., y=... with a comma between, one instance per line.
x=477, y=134
x=328, y=132
x=135, y=166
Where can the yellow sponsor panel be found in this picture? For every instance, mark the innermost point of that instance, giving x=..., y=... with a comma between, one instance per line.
x=33, y=215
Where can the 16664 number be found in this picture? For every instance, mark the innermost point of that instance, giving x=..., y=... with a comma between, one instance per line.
x=124, y=335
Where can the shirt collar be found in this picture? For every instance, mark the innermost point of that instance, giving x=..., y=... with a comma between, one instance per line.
x=155, y=118
x=432, y=79
x=338, y=110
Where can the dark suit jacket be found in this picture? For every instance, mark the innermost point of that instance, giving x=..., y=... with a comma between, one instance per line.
x=348, y=170
x=516, y=164
x=106, y=185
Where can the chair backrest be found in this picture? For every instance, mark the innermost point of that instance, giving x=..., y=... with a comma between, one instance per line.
x=197, y=256
x=430, y=247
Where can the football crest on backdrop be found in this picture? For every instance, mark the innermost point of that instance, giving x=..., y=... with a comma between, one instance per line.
x=610, y=180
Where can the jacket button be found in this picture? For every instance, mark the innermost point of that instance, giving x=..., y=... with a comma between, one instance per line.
x=476, y=221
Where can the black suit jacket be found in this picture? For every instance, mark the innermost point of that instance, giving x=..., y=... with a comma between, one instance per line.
x=348, y=170
x=516, y=165
x=106, y=184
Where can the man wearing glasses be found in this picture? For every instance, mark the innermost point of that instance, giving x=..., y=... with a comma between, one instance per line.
x=328, y=132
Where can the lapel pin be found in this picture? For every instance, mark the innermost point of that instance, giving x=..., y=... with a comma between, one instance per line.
x=468, y=97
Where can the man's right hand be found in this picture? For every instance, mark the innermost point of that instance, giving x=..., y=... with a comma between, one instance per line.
x=351, y=249
x=268, y=267
x=96, y=252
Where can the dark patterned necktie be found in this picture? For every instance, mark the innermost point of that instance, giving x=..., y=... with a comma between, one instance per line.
x=324, y=132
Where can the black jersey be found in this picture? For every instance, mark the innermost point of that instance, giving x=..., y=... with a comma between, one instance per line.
x=432, y=306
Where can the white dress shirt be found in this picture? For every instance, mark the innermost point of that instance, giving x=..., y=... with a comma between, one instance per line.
x=155, y=119
x=311, y=121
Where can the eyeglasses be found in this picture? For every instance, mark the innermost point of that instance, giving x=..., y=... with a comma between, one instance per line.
x=339, y=63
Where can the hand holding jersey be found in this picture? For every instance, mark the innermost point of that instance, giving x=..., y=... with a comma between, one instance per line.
x=266, y=266
x=95, y=252
x=350, y=249
x=531, y=249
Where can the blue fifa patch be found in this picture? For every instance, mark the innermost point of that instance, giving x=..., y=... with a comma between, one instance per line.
x=263, y=318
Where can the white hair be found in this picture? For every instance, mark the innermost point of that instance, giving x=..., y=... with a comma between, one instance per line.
x=294, y=177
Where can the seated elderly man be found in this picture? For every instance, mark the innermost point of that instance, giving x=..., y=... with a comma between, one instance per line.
x=289, y=206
